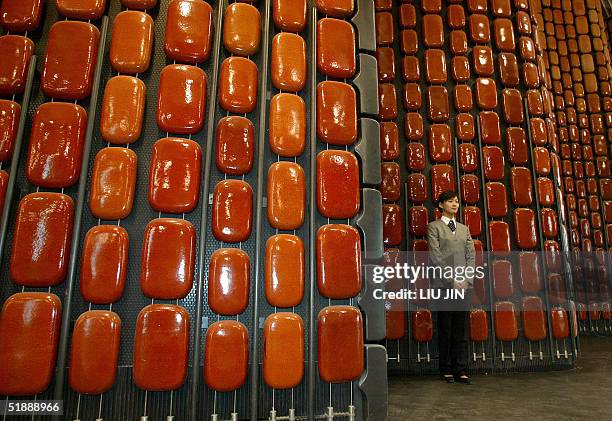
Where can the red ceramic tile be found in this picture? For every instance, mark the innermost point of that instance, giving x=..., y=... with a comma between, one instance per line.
x=468, y=157
x=409, y=41
x=489, y=127
x=15, y=53
x=139, y=4
x=541, y=159
x=521, y=4
x=463, y=98
x=21, y=15
x=167, y=259
x=189, y=27
x=56, y=145
x=407, y=16
x=477, y=6
x=336, y=48
x=232, y=216
x=415, y=156
x=546, y=193
x=433, y=31
x=523, y=23
x=438, y=109
x=506, y=325
x=336, y=8
x=83, y=10
x=417, y=188
x=70, y=59
x=486, y=93
x=122, y=110
x=95, y=351
x=283, y=359
x=530, y=75
x=226, y=355
x=465, y=127
x=550, y=226
x=501, y=8
x=287, y=134
x=336, y=113
x=113, y=180
x=392, y=225
x=560, y=323
x=529, y=272
x=338, y=261
x=131, y=41
x=435, y=66
x=460, y=69
x=525, y=228
x=289, y=15
x=413, y=126
x=396, y=325
x=161, y=347
x=497, y=202
x=482, y=57
x=503, y=279
x=458, y=42
x=384, y=28
x=442, y=178
x=500, y=236
x=521, y=186
x=284, y=270
x=440, y=143
x=29, y=318
x=417, y=220
x=174, y=175
x=181, y=99
x=386, y=64
x=512, y=103
x=412, y=96
x=389, y=141
x=470, y=189
x=504, y=35
x=538, y=131
x=456, y=16
x=410, y=69
x=508, y=69
x=387, y=101
x=238, y=85
x=479, y=29
x=9, y=120
x=527, y=49
x=235, y=145
x=241, y=29
x=104, y=264
x=41, y=241
x=493, y=163
x=479, y=326
x=391, y=182
x=422, y=326
x=286, y=195
x=431, y=6
x=340, y=344
x=229, y=281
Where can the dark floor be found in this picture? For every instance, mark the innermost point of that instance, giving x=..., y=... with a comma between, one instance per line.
x=581, y=394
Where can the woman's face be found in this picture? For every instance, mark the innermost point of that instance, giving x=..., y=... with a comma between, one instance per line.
x=450, y=206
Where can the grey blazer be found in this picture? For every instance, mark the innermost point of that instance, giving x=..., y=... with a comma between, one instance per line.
x=448, y=249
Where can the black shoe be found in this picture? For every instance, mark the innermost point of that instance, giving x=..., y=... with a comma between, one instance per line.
x=448, y=378
x=463, y=378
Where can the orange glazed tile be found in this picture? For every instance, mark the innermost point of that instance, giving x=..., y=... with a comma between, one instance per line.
x=104, y=264
x=15, y=53
x=463, y=98
x=470, y=188
x=238, y=85
x=386, y=64
x=417, y=191
x=113, y=181
x=95, y=351
x=81, y=9
x=438, y=109
x=493, y=163
x=501, y=8
x=389, y=141
x=433, y=31
x=286, y=195
x=460, y=69
x=413, y=126
x=241, y=29
x=525, y=228
x=229, y=281
x=527, y=49
x=468, y=157
x=477, y=6
x=442, y=179
x=181, y=99
x=289, y=15
x=340, y=344
x=456, y=16
x=226, y=355
x=505, y=321
x=337, y=184
x=387, y=101
x=409, y=42
x=41, y=241
x=407, y=16
x=161, y=347
x=70, y=60
x=336, y=8
x=518, y=150
x=283, y=356
x=512, y=103
x=284, y=270
x=412, y=96
x=288, y=66
x=415, y=156
x=28, y=318
x=188, y=31
x=440, y=143
x=523, y=23
x=391, y=183
x=431, y=6
x=384, y=28
x=174, y=175
x=235, y=145
x=392, y=225
x=530, y=75
x=508, y=69
x=131, y=42
x=56, y=145
x=167, y=260
x=458, y=42
x=336, y=48
x=479, y=29
x=21, y=15
x=486, y=93
x=232, y=216
x=122, y=110
x=435, y=66
x=287, y=134
x=139, y=4
x=9, y=120
x=336, y=113
x=464, y=127
x=482, y=58
x=500, y=236
x=504, y=35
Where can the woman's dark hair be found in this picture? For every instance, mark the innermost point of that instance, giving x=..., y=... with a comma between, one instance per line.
x=447, y=195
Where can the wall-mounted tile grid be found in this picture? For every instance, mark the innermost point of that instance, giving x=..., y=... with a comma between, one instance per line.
x=190, y=209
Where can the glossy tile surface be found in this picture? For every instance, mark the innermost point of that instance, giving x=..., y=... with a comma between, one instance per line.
x=287, y=130
x=188, y=31
x=288, y=66
x=283, y=356
x=131, y=42
x=229, y=279
x=81, y=9
x=338, y=261
x=241, y=29
x=21, y=15
x=226, y=355
x=9, y=121
x=289, y=15
x=238, y=85
x=15, y=53
x=337, y=184
x=284, y=270
x=232, y=214
x=235, y=145
x=286, y=195
x=113, y=180
x=336, y=113
x=123, y=109
x=336, y=8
